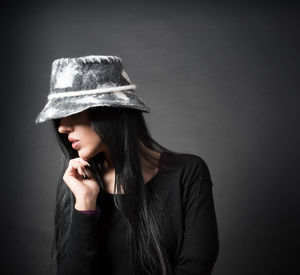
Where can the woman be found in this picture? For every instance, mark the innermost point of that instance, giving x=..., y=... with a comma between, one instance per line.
x=125, y=204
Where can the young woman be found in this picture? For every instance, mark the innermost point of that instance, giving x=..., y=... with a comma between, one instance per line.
x=125, y=204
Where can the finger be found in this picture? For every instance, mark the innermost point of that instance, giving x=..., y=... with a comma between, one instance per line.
x=81, y=162
x=84, y=173
x=75, y=167
x=71, y=177
x=84, y=166
x=80, y=170
x=85, y=163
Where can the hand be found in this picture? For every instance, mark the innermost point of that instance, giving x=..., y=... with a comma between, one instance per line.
x=85, y=190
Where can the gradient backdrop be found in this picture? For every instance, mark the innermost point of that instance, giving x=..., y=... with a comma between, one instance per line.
x=222, y=82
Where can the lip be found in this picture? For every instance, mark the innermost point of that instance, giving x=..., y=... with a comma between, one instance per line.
x=75, y=144
x=72, y=139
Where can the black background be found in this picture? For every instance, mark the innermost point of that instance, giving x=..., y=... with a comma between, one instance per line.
x=221, y=80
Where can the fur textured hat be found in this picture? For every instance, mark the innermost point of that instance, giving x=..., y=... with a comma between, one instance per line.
x=77, y=84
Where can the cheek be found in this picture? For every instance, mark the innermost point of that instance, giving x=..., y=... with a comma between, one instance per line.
x=94, y=141
x=91, y=142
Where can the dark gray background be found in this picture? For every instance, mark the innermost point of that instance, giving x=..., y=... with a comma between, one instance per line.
x=222, y=82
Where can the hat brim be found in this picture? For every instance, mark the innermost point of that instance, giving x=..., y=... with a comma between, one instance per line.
x=60, y=107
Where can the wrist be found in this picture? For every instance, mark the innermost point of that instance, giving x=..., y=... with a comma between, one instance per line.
x=85, y=204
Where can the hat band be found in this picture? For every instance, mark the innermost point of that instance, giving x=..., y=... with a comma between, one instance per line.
x=94, y=91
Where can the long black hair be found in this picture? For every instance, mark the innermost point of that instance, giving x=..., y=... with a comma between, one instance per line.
x=121, y=130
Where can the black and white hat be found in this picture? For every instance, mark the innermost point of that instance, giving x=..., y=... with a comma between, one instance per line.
x=77, y=84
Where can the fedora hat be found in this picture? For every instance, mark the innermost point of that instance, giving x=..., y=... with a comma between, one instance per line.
x=77, y=84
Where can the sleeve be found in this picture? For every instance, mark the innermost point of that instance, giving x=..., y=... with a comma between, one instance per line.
x=82, y=249
x=200, y=245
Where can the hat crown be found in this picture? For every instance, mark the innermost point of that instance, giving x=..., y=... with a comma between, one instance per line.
x=87, y=73
x=77, y=84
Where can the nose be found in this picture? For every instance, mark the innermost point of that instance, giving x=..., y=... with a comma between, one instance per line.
x=64, y=126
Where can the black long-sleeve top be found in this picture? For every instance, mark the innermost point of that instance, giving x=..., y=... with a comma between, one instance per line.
x=98, y=244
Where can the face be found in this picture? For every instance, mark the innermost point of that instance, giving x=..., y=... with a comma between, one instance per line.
x=78, y=127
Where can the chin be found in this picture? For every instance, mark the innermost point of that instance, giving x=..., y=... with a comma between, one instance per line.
x=86, y=155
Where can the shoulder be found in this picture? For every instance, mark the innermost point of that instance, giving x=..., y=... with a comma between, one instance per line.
x=186, y=168
x=195, y=167
x=194, y=176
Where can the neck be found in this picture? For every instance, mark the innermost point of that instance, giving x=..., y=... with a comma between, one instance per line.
x=148, y=171
x=107, y=163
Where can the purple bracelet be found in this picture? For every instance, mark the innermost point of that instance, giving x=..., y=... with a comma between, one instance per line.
x=91, y=212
